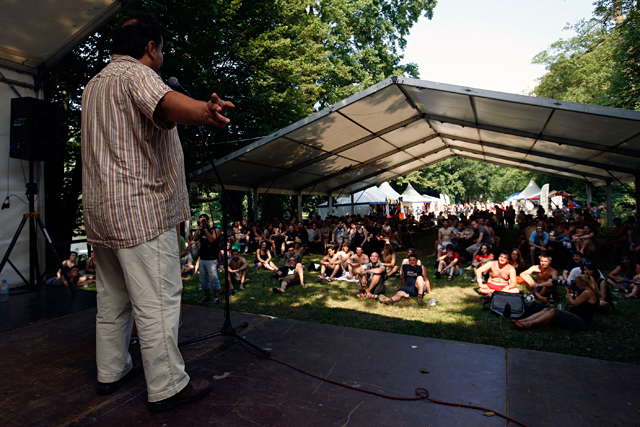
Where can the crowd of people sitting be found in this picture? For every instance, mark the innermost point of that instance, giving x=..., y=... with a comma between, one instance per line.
x=558, y=252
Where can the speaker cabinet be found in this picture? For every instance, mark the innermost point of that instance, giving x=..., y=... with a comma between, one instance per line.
x=34, y=130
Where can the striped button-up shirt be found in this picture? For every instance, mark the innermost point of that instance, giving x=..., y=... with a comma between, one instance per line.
x=133, y=179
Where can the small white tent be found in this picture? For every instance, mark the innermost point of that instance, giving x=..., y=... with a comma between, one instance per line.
x=531, y=189
x=362, y=201
x=388, y=191
x=410, y=195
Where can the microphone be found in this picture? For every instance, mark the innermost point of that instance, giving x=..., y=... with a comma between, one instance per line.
x=175, y=85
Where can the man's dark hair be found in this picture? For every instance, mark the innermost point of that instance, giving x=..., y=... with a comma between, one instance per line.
x=234, y=251
x=132, y=35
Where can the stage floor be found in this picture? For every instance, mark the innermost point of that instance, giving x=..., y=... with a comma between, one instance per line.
x=49, y=379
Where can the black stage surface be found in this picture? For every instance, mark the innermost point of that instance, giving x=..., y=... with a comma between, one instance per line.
x=48, y=379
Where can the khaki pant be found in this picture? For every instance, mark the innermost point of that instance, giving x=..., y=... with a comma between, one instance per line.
x=146, y=278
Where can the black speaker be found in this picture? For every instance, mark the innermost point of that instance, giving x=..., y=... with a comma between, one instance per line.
x=34, y=130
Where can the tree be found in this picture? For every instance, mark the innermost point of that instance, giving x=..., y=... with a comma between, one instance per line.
x=278, y=60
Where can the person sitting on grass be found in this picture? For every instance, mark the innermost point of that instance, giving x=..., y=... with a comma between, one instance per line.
x=482, y=258
x=293, y=274
x=406, y=260
x=372, y=278
x=330, y=265
x=414, y=282
x=449, y=263
x=538, y=242
x=388, y=259
x=583, y=308
x=635, y=288
x=585, y=242
x=237, y=273
x=576, y=261
x=263, y=257
x=502, y=276
x=291, y=252
x=356, y=261
x=621, y=278
x=186, y=265
x=344, y=254
x=544, y=273
x=445, y=236
x=606, y=299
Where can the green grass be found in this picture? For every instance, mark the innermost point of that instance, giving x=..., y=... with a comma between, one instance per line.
x=458, y=316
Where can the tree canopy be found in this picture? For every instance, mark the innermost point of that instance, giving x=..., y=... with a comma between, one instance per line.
x=277, y=60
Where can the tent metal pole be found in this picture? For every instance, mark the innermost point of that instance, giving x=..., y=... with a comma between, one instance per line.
x=352, y=206
x=331, y=204
x=255, y=204
x=589, y=193
x=609, y=205
x=299, y=205
x=637, y=182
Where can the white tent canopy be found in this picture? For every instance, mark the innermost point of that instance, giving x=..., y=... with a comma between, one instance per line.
x=361, y=203
x=388, y=191
x=410, y=195
x=531, y=189
x=401, y=125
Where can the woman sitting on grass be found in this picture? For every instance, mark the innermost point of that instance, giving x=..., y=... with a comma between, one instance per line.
x=263, y=257
x=579, y=316
x=606, y=300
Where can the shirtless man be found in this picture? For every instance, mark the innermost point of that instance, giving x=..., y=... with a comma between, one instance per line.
x=344, y=254
x=372, y=277
x=545, y=273
x=445, y=235
x=502, y=276
x=356, y=261
x=388, y=259
x=238, y=267
x=331, y=265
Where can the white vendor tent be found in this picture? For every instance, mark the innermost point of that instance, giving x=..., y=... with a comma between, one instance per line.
x=362, y=201
x=531, y=189
x=388, y=191
x=410, y=195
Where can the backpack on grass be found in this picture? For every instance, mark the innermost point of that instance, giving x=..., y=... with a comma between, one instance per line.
x=506, y=304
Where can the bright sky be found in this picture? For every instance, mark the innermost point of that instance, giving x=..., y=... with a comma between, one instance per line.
x=489, y=44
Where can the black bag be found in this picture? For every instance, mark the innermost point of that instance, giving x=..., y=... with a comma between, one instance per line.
x=313, y=266
x=507, y=305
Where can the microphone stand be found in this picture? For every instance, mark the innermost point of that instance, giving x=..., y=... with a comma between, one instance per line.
x=227, y=330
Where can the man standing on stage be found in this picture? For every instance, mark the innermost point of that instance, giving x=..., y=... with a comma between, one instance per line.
x=134, y=196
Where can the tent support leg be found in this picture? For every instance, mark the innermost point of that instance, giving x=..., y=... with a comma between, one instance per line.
x=299, y=205
x=330, y=204
x=352, y=207
x=637, y=182
x=589, y=197
x=255, y=204
x=609, y=205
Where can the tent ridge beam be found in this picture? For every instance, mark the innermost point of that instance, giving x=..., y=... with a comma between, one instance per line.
x=535, y=136
x=339, y=150
x=373, y=160
x=535, y=164
x=538, y=153
x=413, y=159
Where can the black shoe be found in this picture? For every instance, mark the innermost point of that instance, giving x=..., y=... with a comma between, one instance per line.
x=216, y=301
x=205, y=299
x=105, y=389
x=196, y=389
x=420, y=300
x=438, y=274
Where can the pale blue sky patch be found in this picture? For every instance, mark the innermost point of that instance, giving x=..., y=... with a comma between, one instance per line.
x=489, y=44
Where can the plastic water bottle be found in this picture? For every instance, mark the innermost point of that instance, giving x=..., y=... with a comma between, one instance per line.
x=4, y=291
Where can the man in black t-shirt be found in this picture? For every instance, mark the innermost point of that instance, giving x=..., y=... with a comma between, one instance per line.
x=291, y=274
